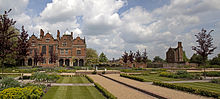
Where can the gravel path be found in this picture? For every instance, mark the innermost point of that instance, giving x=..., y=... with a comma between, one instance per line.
x=119, y=90
x=165, y=92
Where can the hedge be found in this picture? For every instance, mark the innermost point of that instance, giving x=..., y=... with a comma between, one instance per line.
x=213, y=74
x=30, y=92
x=105, y=92
x=132, y=77
x=189, y=89
x=90, y=79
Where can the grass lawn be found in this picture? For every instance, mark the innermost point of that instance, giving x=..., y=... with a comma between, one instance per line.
x=156, y=77
x=202, y=85
x=75, y=79
x=73, y=92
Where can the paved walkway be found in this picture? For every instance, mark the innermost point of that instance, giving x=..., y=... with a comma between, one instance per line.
x=165, y=92
x=119, y=90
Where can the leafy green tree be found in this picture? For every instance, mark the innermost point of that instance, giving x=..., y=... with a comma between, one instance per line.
x=103, y=58
x=196, y=59
x=215, y=60
x=7, y=36
x=144, y=56
x=91, y=56
x=158, y=59
x=138, y=57
x=185, y=59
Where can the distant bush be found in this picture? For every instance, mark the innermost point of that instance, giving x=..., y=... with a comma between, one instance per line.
x=30, y=92
x=188, y=89
x=217, y=81
x=180, y=74
x=132, y=77
x=41, y=77
x=212, y=74
x=94, y=72
x=8, y=82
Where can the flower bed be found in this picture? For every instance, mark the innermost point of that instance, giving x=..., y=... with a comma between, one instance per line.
x=30, y=92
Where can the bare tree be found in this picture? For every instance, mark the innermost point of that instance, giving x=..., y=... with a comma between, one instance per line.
x=125, y=57
x=138, y=57
x=205, y=46
x=6, y=36
x=131, y=56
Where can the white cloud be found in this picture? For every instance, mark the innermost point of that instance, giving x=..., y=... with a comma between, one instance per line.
x=137, y=28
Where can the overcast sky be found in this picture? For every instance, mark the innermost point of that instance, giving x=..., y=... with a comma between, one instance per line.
x=113, y=26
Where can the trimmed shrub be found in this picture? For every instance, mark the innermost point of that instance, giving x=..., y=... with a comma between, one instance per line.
x=132, y=77
x=188, y=89
x=217, y=81
x=180, y=74
x=105, y=92
x=41, y=77
x=212, y=74
x=90, y=79
x=30, y=92
x=94, y=72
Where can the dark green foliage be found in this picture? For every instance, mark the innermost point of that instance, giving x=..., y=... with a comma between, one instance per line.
x=180, y=74
x=132, y=77
x=185, y=59
x=103, y=58
x=42, y=77
x=105, y=92
x=188, y=89
x=212, y=74
x=217, y=81
x=158, y=59
x=196, y=59
x=215, y=60
x=94, y=72
x=9, y=82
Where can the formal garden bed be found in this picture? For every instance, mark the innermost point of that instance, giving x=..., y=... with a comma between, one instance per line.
x=200, y=88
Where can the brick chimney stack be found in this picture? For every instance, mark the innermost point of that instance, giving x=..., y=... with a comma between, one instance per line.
x=180, y=44
x=41, y=33
x=72, y=34
x=58, y=35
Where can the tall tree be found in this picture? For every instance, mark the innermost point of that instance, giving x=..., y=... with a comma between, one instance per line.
x=125, y=57
x=158, y=59
x=6, y=36
x=205, y=45
x=185, y=59
x=215, y=60
x=91, y=56
x=22, y=46
x=103, y=58
x=53, y=57
x=138, y=57
x=196, y=59
x=144, y=56
x=131, y=56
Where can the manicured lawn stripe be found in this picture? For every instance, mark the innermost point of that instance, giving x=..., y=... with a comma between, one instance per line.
x=75, y=79
x=202, y=85
x=73, y=92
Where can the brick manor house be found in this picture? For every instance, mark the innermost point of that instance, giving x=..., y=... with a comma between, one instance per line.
x=69, y=51
x=175, y=55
